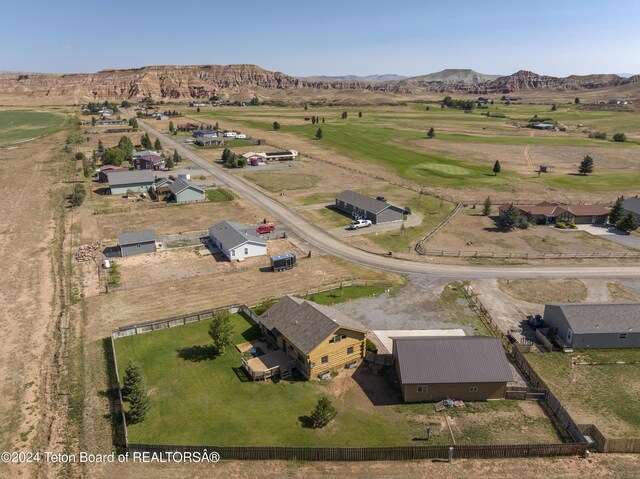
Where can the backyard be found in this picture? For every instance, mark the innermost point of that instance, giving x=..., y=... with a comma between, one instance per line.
x=594, y=388
x=198, y=398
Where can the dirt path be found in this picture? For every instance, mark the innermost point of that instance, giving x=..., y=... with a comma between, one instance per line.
x=597, y=291
x=506, y=311
x=527, y=156
x=28, y=293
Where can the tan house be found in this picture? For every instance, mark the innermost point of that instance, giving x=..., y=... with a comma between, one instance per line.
x=550, y=213
x=318, y=338
x=470, y=368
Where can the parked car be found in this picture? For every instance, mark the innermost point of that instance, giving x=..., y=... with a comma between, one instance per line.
x=262, y=229
x=406, y=211
x=359, y=224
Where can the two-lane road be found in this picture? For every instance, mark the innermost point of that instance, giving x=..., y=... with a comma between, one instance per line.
x=329, y=244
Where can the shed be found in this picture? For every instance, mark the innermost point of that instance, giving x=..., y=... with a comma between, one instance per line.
x=283, y=262
x=137, y=242
x=470, y=368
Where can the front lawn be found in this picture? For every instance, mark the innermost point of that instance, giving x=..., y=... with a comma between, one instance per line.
x=216, y=195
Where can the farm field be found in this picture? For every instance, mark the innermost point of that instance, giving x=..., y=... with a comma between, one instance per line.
x=465, y=146
x=601, y=393
x=21, y=125
x=190, y=387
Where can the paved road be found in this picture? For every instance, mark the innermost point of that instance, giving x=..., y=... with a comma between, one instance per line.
x=329, y=244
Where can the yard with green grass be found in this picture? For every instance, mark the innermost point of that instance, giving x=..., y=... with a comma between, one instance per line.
x=216, y=195
x=602, y=393
x=198, y=398
x=20, y=125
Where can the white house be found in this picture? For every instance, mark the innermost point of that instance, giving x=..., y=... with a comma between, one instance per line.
x=237, y=241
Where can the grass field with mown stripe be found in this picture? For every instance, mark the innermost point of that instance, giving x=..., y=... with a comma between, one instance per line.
x=20, y=125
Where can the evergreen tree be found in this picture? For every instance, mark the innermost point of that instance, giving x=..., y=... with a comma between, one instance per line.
x=359, y=114
x=132, y=379
x=323, y=119
x=157, y=145
x=344, y=115
x=628, y=223
x=168, y=163
x=509, y=219
x=276, y=125
x=133, y=123
x=617, y=211
x=431, y=133
x=93, y=121
x=139, y=404
x=176, y=157
x=221, y=330
x=323, y=413
x=225, y=155
x=306, y=107
x=576, y=101
x=586, y=166
x=145, y=141
x=486, y=207
x=171, y=127
x=216, y=127
x=553, y=107
x=100, y=146
x=496, y=168
x=319, y=134
x=619, y=137
x=198, y=109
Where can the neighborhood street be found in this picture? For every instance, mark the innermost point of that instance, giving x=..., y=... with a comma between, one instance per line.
x=332, y=245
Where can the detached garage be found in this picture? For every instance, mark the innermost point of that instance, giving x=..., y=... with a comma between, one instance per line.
x=362, y=207
x=137, y=242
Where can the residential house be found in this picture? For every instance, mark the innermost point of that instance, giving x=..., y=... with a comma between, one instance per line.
x=205, y=134
x=138, y=154
x=184, y=191
x=149, y=162
x=102, y=172
x=110, y=121
x=550, y=213
x=362, y=207
x=137, y=242
x=470, y=368
x=122, y=182
x=237, y=241
x=544, y=126
x=595, y=325
x=256, y=158
x=632, y=205
x=188, y=127
x=318, y=338
x=203, y=141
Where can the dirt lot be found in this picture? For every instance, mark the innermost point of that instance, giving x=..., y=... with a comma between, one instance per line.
x=542, y=291
x=469, y=231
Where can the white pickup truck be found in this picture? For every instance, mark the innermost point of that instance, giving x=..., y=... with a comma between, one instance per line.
x=357, y=224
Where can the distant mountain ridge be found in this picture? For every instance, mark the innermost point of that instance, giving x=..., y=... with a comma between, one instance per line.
x=245, y=81
x=356, y=78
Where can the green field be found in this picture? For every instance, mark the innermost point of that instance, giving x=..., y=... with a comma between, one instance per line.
x=605, y=394
x=595, y=181
x=20, y=125
x=198, y=398
x=216, y=195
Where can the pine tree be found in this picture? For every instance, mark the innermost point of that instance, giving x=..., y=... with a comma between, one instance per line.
x=198, y=109
x=276, y=125
x=586, y=166
x=344, y=115
x=139, y=404
x=171, y=127
x=221, y=329
x=176, y=157
x=225, y=155
x=157, y=145
x=132, y=378
x=628, y=223
x=100, y=146
x=323, y=119
x=216, y=127
x=145, y=141
x=168, y=163
x=553, y=107
x=359, y=114
x=323, y=413
x=617, y=211
x=319, y=134
x=496, y=168
x=509, y=219
x=431, y=133
x=486, y=207
x=93, y=121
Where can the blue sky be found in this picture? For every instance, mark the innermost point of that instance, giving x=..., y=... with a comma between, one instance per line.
x=323, y=37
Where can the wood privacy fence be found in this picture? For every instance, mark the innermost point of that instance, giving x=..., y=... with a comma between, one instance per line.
x=394, y=453
x=420, y=246
x=493, y=254
x=626, y=445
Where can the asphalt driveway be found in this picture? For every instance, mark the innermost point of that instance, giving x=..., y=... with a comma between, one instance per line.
x=612, y=233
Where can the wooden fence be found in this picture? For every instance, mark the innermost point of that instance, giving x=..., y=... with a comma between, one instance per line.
x=493, y=254
x=353, y=454
x=420, y=246
x=525, y=393
x=118, y=406
x=626, y=445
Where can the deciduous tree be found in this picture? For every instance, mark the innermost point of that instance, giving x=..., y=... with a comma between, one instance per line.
x=221, y=330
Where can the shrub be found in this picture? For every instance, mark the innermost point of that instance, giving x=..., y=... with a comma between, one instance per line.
x=561, y=225
x=619, y=137
x=525, y=225
x=571, y=225
x=599, y=135
x=371, y=347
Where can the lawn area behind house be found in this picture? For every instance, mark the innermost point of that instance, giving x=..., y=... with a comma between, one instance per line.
x=604, y=394
x=218, y=194
x=198, y=398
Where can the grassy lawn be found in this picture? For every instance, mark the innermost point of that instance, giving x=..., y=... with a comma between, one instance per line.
x=595, y=182
x=604, y=394
x=216, y=195
x=318, y=198
x=201, y=399
x=278, y=180
x=348, y=293
x=545, y=290
x=327, y=217
x=17, y=125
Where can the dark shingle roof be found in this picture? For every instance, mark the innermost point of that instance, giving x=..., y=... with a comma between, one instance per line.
x=231, y=235
x=451, y=360
x=305, y=323
x=118, y=178
x=179, y=185
x=135, y=237
x=363, y=202
x=632, y=204
x=602, y=317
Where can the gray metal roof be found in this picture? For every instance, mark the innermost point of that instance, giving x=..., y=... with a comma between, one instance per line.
x=282, y=256
x=632, y=204
x=469, y=359
x=121, y=178
x=231, y=235
x=304, y=323
x=179, y=185
x=602, y=317
x=363, y=202
x=135, y=237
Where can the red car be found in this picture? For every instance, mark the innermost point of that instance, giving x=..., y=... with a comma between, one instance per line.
x=265, y=229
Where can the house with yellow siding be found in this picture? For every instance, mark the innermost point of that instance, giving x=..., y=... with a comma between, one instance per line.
x=318, y=338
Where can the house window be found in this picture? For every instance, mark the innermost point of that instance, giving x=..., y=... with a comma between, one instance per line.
x=622, y=336
x=350, y=350
x=569, y=335
x=325, y=359
x=337, y=338
x=473, y=389
x=421, y=389
x=233, y=252
x=312, y=365
x=246, y=251
x=138, y=245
